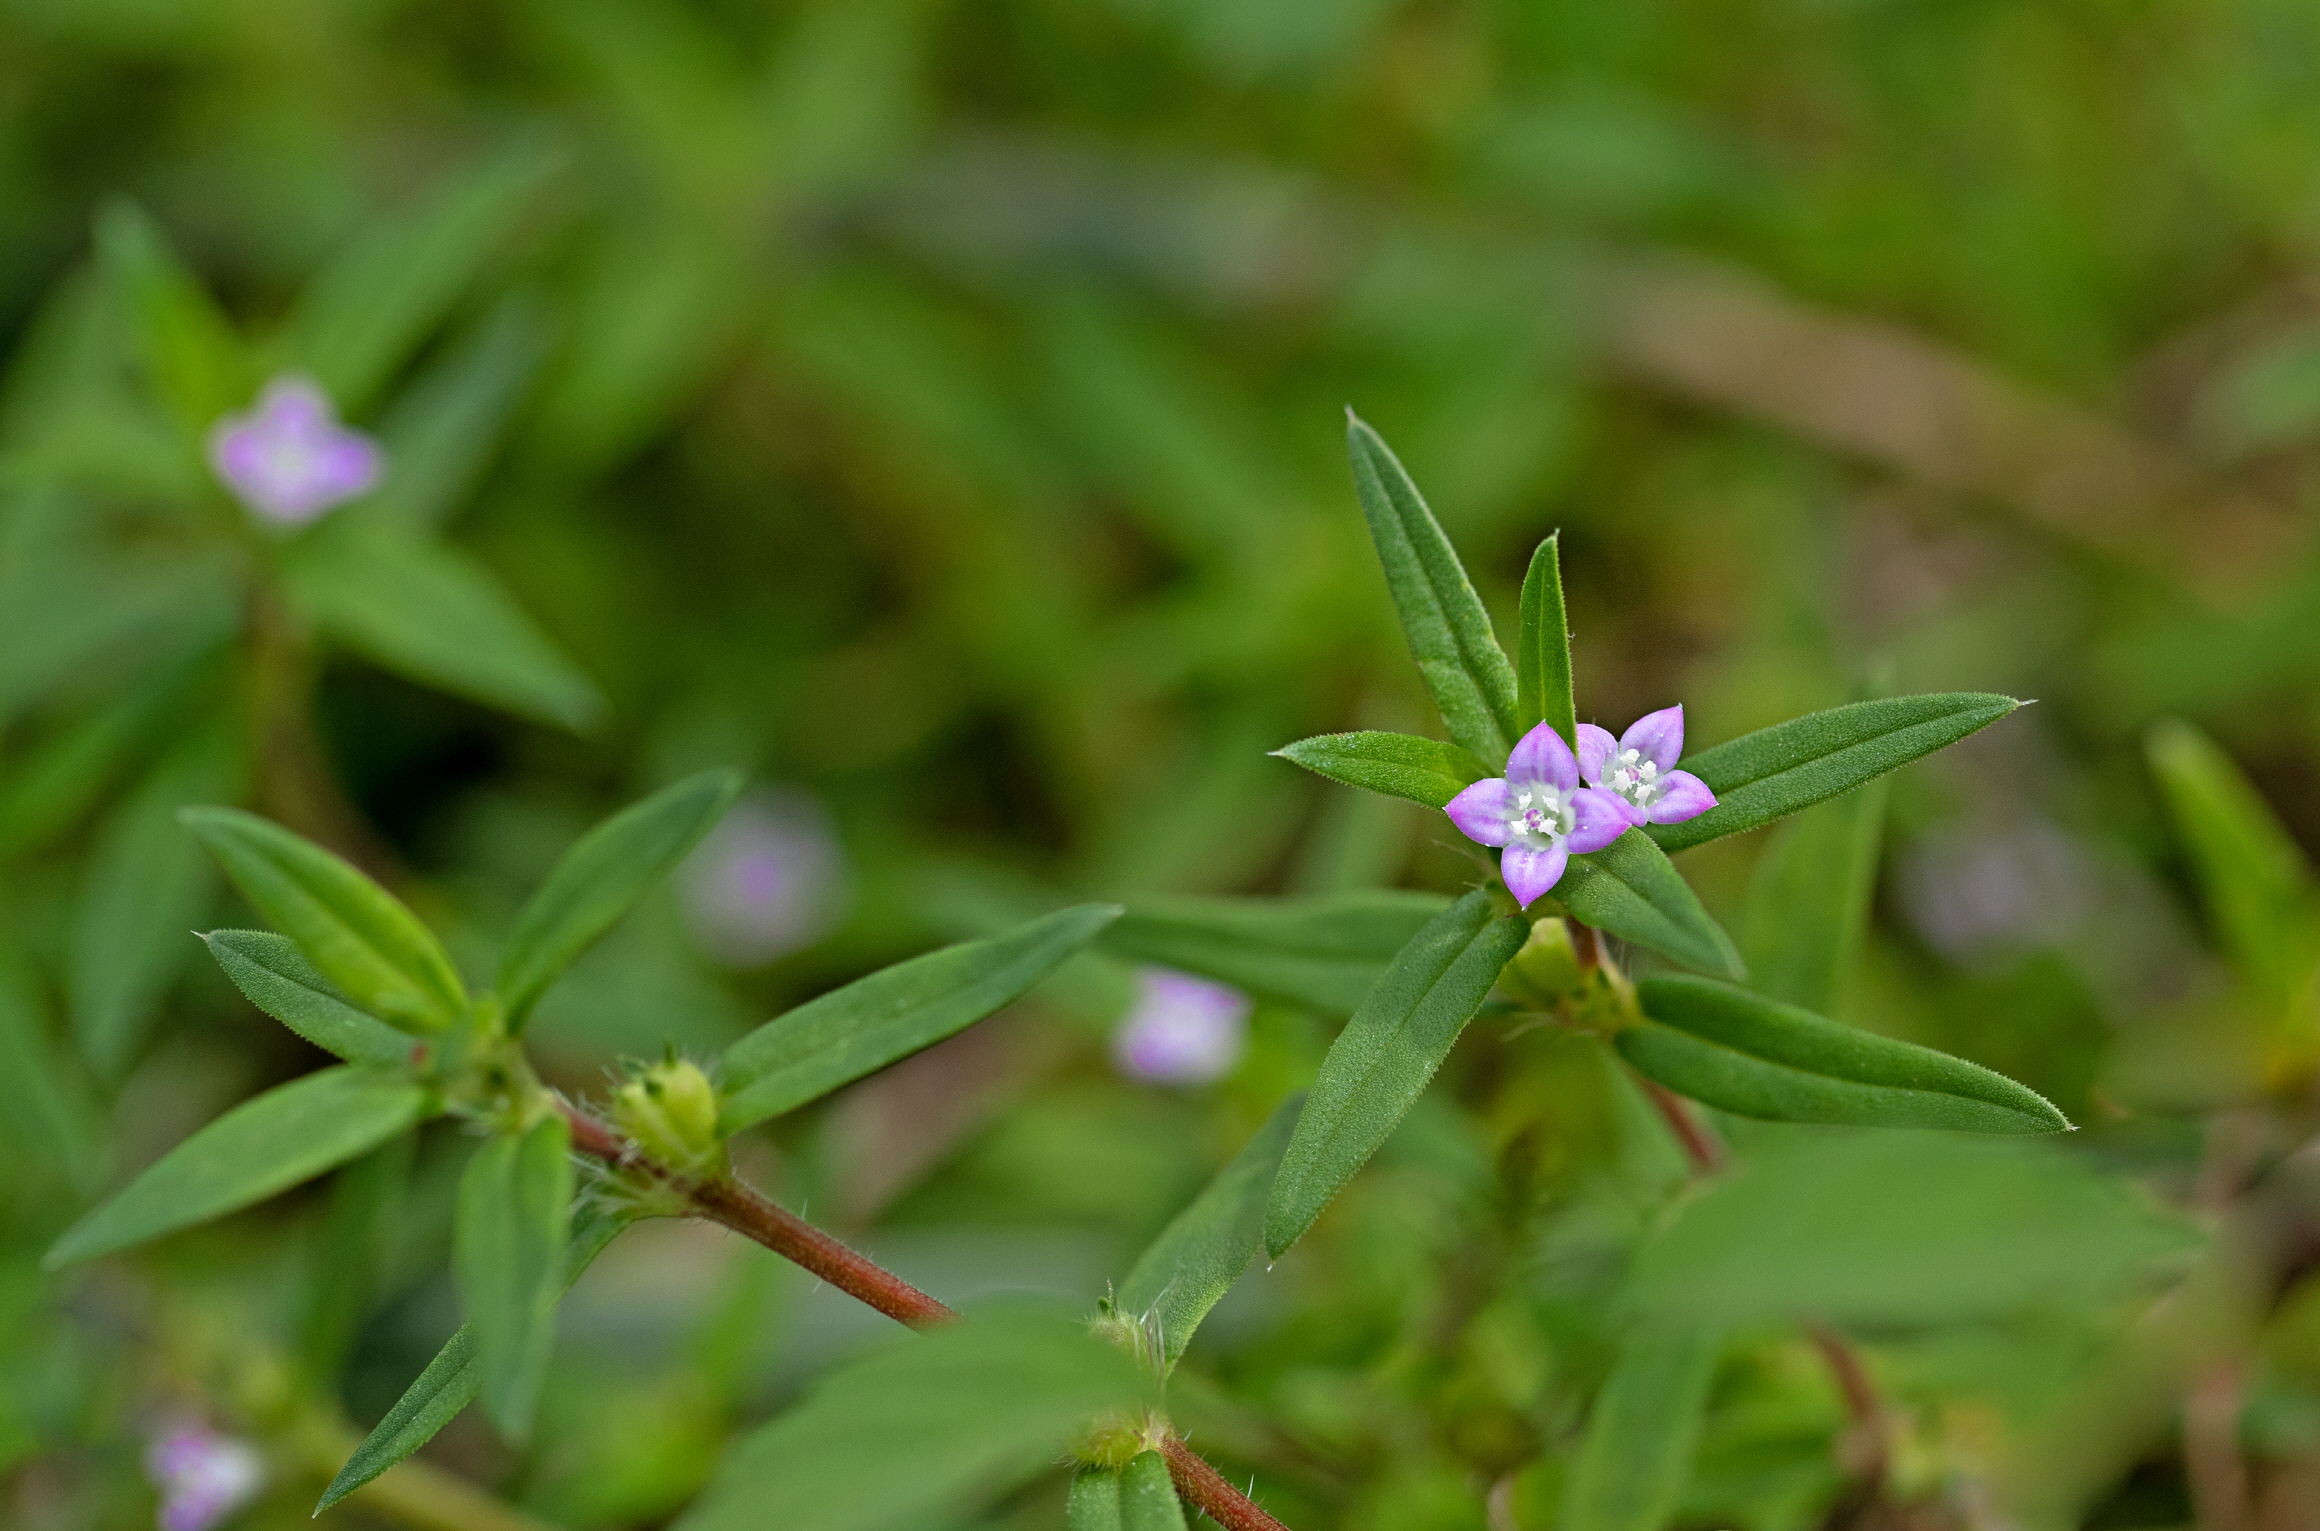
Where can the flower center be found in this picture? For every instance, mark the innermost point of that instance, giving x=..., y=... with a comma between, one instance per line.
x=1635, y=779
x=1539, y=815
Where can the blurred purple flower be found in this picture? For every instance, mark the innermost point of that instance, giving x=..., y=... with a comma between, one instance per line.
x=767, y=880
x=1639, y=769
x=289, y=459
x=203, y=1477
x=1539, y=813
x=1181, y=1030
x=1975, y=894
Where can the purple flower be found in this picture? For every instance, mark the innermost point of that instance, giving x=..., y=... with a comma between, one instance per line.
x=1539, y=813
x=1181, y=1030
x=1638, y=768
x=289, y=459
x=767, y=880
x=203, y=1477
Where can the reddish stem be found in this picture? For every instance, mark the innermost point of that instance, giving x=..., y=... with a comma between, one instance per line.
x=1699, y=1141
x=1213, y=1492
x=753, y=1216
x=728, y=1201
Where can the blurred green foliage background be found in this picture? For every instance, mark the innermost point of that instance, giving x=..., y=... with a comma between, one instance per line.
x=935, y=409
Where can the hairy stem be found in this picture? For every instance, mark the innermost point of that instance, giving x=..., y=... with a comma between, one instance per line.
x=1212, y=1493
x=727, y=1201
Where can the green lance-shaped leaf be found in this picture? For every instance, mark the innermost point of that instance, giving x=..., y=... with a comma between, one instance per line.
x=347, y=1254
x=1458, y=655
x=1631, y=890
x=276, y=977
x=1543, y=653
x=920, y=1430
x=356, y=933
x=507, y=1254
x=435, y=614
x=1632, y=1466
x=441, y=431
x=1399, y=765
x=1755, y=1056
x=147, y=881
x=380, y=296
x=873, y=1021
x=188, y=347
x=2254, y=878
x=1775, y=771
x=46, y=1103
x=287, y=1135
x=1148, y=1499
x=1322, y=951
x=1854, y=1226
x=1203, y=1251
x=601, y=878
x=1093, y=1503
x=453, y=1378
x=1391, y=1047
x=1808, y=901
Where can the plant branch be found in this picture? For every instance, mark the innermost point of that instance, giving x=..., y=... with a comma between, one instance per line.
x=1212, y=1492
x=727, y=1201
x=1699, y=1140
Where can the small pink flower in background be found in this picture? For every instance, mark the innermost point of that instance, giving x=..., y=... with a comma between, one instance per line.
x=767, y=880
x=1181, y=1030
x=1639, y=768
x=1539, y=813
x=289, y=459
x=203, y=1477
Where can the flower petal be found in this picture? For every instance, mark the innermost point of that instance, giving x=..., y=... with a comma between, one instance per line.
x=1598, y=818
x=1543, y=757
x=1596, y=747
x=1658, y=737
x=1529, y=874
x=1480, y=812
x=1686, y=797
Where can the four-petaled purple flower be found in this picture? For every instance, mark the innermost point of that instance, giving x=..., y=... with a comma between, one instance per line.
x=1638, y=768
x=1539, y=813
x=203, y=1477
x=289, y=459
x=1181, y=1030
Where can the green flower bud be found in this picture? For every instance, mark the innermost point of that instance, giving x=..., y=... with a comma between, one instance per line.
x=1546, y=970
x=669, y=1110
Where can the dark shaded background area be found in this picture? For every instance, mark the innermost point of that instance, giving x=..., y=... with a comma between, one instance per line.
x=936, y=410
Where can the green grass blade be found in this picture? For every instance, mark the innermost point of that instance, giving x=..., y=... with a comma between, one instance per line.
x=1449, y=631
x=1631, y=1468
x=1808, y=900
x=2252, y=875
x=1381, y=1062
